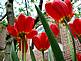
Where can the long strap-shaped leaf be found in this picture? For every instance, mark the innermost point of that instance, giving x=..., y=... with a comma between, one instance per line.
x=14, y=56
x=53, y=42
x=32, y=55
x=75, y=59
x=69, y=42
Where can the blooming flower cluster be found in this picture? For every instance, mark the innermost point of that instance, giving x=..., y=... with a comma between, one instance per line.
x=60, y=11
x=23, y=28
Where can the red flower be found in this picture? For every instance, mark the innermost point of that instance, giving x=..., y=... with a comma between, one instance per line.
x=70, y=9
x=41, y=42
x=22, y=25
x=78, y=56
x=12, y=30
x=77, y=25
x=59, y=9
x=31, y=33
x=72, y=29
x=54, y=29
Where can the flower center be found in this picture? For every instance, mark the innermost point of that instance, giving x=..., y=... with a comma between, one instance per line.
x=65, y=17
x=79, y=35
x=42, y=49
x=21, y=35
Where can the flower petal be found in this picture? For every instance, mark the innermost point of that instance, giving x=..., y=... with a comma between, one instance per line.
x=20, y=23
x=63, y=7
x=77, y=25
x=52, y=11
x=12, y=30
x=60, y=7
x=31, y=34
x=43, y=36
x=69, y=5
x=36, y=41
x=29, y=23
x=44, y=41
x=78, y=55
x=72, y=29
x=54, y=29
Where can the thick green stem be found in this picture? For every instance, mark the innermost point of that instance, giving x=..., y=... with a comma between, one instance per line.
x=24, y=50
x=72, y=40
x=43, y=55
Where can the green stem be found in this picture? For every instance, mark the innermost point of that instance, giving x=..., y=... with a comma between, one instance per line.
x=24, y=50
x=32, y=55
x=72, y=40
x=43, y=55
x=79, y=39
x=21, y=51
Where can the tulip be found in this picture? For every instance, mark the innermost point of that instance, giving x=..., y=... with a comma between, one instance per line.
x=72, y=30
x=54, y=29
x=41, y=42
x=22, y=25
x=59, y=10
x=23, y=29
x=78, y=56
x=77, y=25
x=12, y=31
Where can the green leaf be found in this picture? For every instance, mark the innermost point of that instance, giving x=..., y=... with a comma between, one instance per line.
x=53, y=42
x=14, y=56
x=21, y=9
x=69, y=42
x=74, y=54
x=13, y=52
x=32, y=0
x=32, y=55
x=4, y=23
x=50, y=55
x=0, y=30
